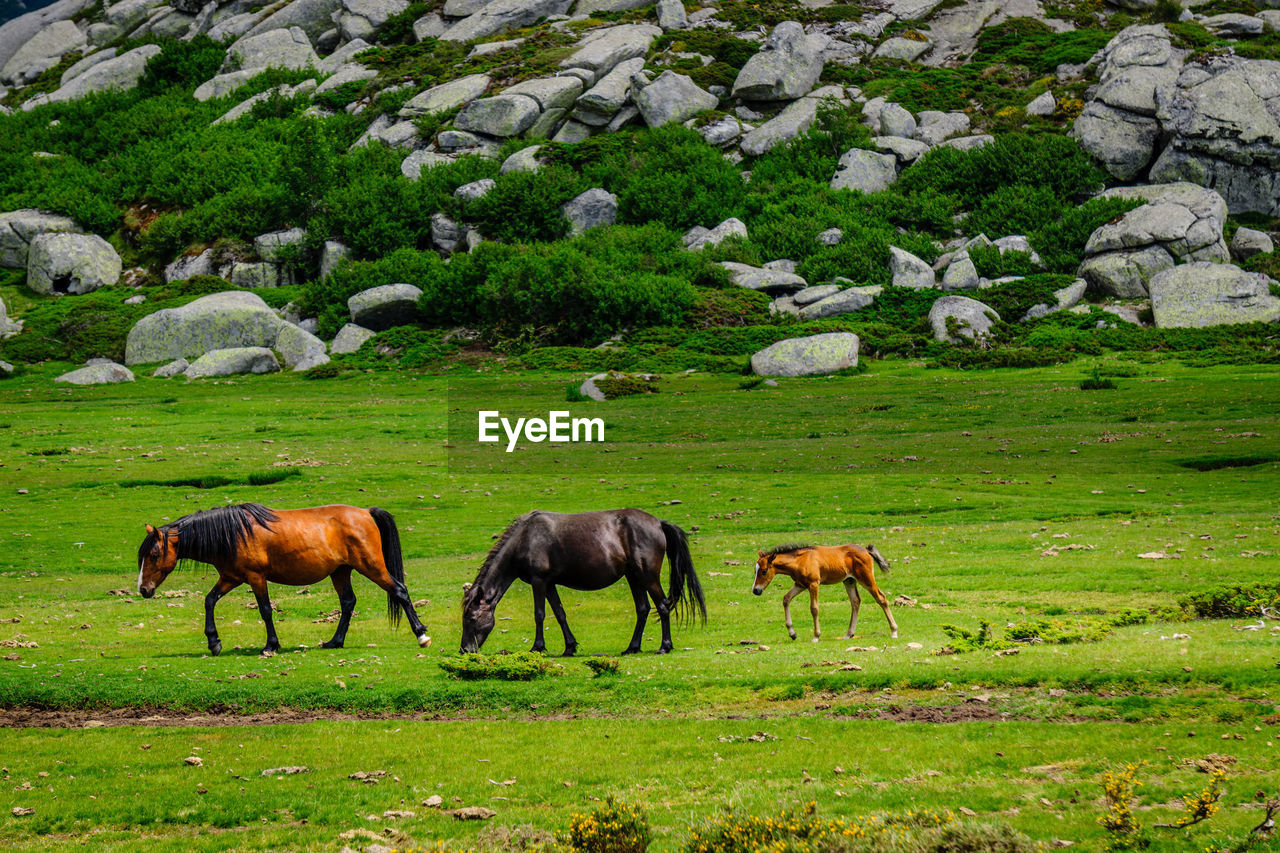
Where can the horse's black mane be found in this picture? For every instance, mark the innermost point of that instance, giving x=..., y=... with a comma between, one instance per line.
x=474, y=589
x=213, y=535
x=785, y=549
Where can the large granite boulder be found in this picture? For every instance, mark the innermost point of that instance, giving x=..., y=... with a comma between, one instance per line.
x=775, y=282
x=299, y=349
x=1207, y=294
x=844, y=302
x=909, y=271
x=385, y=306
x=794, y=120
x=550, y=92
x=670, y=98
x=786, y=67
x=810, y=356
x=42, y=51
x=866, y=171
x=15, y=34
x=97, y=371
x=590, y=209
x=218, y=321
x=1180, y=221
x=1248, y=242
x=71, y=263
x=502, y=115
x=232, y=362
x=112, y=75
x=602, y=50
x=598, y=105
x=954, y=318
x=446, y=96
x=360, y=19
x=502, y=15
x=272, y=49
x=313, y=17
x=350, y=338
x=19, y=227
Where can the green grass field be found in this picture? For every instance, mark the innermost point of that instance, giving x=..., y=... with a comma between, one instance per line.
x=1005, y=496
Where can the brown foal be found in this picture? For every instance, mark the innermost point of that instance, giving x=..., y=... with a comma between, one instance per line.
x=809, y=567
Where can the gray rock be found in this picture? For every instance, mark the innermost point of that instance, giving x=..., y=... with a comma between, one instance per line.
x=186, y=266
x=597, y=105
x=331, y=255
x=6, y=368
x=98, y=372
x=446, y=234
x=603, y=50
x=1122, y=141
x=502, y=15
x=273, y=49
x=299, y=349
x=794, y=120
x=773, y=282
x=591, y=390
x=698, y=238
x=786, y=67
x=1043, y=104
x=217, y=321
x=933, y=127
x=284, y=91
x=830, y=237
x=172, y=369
x=353, y=73
x=224, y=84
x=350, y=338
x=672, y=98
x=501, y=116
x=313, y=17
x=1125, y=275
x=722, y=132
x=547, y=124
x=846, y=301
x=672, y=15
x=866, y=171
x=1065, y=298
x=277, y=245
x=1017, y=243
x=257, y=276
x=968, y=143
x=1203, y=294
x=233, y=362
x=446, y=96
x=591, y=209
x=960, y=274
x=360, y=19
x=814, y=294
x=112, y=75
x=15, y=34
x=969, y=318
x=19, y=227
x=784, y=305
x=572, y=131
x=896, y=120
x=411, y=167
x=909, y=270
x=343, y=57
x=42, y=51
x=1247, y=242
x=1234, y=25
x=903, y=49
x=385, y=306
x=524, y=160
x=71, y=263
x=429, y=26
x=907, y=151
x=8, y=328
x=474, y=190
x=809, y=356
x=463, y=8
x=549, y=92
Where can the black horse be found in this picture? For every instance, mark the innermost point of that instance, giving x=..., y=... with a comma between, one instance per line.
x=587, y=550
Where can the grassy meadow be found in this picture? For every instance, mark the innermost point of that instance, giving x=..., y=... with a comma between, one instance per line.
x=1000, y=496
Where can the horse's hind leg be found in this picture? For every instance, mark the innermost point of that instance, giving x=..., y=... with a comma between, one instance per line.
x=786, y=607
x=642, y=615
x=375, y=571
x=539, y=614
x=570, y=642
x=347, y=600
x=855, y=604
x=664, y=612
x=813, y=609
x=221, y=588
x=884, y=605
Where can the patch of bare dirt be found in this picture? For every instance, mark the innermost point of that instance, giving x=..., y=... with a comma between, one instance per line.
x=41, y=718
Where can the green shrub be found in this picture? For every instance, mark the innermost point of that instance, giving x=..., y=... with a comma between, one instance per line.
x=1060, y=243
x=525, y=206
x=1095, y=382
x=673, y=177
x=1031, y=43
x=617, y=385
x=327, y=299
x=612, y=828
x=603, y=666
x=517, y=666
x=1232, y=600
x=1053, y=162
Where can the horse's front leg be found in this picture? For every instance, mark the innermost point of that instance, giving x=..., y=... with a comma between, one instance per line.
x=813, y=608
x=259, y=587
x=221, y=588
x=786, y=607
x=570, y=642
x=539, y=614
x=855, y=604
x=641, y=599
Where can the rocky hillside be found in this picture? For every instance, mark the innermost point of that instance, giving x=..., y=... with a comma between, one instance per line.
x=237, y=186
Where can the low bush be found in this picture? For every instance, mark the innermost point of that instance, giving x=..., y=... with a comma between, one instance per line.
x=1232, y=600
x=611, y=828
x=603, y=666
x=518, y=666
x=617, y=385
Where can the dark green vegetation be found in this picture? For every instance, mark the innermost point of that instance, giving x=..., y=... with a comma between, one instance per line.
x=1074, y=523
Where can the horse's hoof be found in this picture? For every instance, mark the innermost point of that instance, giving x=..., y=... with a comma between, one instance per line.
x=793, y=635
x=570, y=651
x=539, y=650
x=664, y=650
x=631, y=651
x=815, y=639
x=331, y=644
x=424, y=641
x=215, y=648
x=269, y=651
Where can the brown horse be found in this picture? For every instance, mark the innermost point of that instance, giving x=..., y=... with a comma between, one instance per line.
x=249, y=543
x=811, y=566
x=587, y=551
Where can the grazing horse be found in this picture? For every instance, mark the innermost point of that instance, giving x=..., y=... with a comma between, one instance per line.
x=811, y=566
x=249, y=543
x=587, y=551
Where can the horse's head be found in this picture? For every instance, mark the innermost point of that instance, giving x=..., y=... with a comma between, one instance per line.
x=477, y=619
x=157, y=556
x=764, y=572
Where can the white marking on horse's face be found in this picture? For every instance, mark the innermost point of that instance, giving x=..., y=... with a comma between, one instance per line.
x=140, y=577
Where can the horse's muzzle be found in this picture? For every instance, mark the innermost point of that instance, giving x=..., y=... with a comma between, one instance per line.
x=148, y=593
x=755, y=590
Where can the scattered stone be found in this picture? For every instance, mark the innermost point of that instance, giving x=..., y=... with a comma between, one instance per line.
x=300, y=349
x=276, y=246
x=350, y=338
x=71, y=263
x=111, y=75
x=232, y=362
x=846, y=301
x=772, y=281
x=288, y=48
x=671, y=15
x=904, y=49
x=960, y=274
x=968, y=318
x=591, y=209
x=382, y=307
x=906, y=150
x=472, y=813
x=698, y=238
x=501, y=116
x=446, y=96
x=865, y=171
x=909, y=271
x=671, y=98
x=794, y=120
x=550, y=92
x=896, y=120
x=1247, y=242
x=815, y=293
x=935, y=127
x=98, y=372
x=172, y=369
x=331, y=255
x=1065, y=298
x=786, y=67
x=1043, y=104
x=603, y=50
x=285, y=771
x=813, y=355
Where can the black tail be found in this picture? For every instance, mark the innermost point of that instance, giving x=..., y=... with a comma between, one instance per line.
x=391, y=557
x=681, y=573
x=879, y=558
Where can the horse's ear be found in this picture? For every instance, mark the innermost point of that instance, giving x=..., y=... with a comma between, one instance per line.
x=150, y=529
x=760, y=553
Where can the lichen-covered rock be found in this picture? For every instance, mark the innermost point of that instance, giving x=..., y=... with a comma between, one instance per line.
x=601, y=51
x=960, y=274
x=772, y=281
x=590, y=209
x=98, y=371
x=809, y=356
x=814, y=293
x=866, y=171
x=233, y=362
x=934, y=127
x=260, y=275
x=71, y=263
x=313, y=17
x=299, y=349
x=501, y=116
x=111, y=75
x=1248, y=242
x=273, y=49
x=903, y=49
x=218, y=321
x=185, y=266
x=794, y=120
x=19, y=227
x=385, y=306
x=1065, y=298
x=361, y=19
x=599, y=104
x=40, y=52
x=350, y=338
x=550, y=92
x=174, y=368
x=502, y=15
x=909, y=271
x=955, y=317
x=846, y=301
x=897, y=120
x=279, y=245
x=786, y=67
x=698, y=238
x=672, y=15
x=1207, y=294
x=446, y=96
x=671, y=98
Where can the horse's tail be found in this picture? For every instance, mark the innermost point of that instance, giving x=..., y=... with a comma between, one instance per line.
x=685, y=601
x=881, y=562
x=391, y=557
